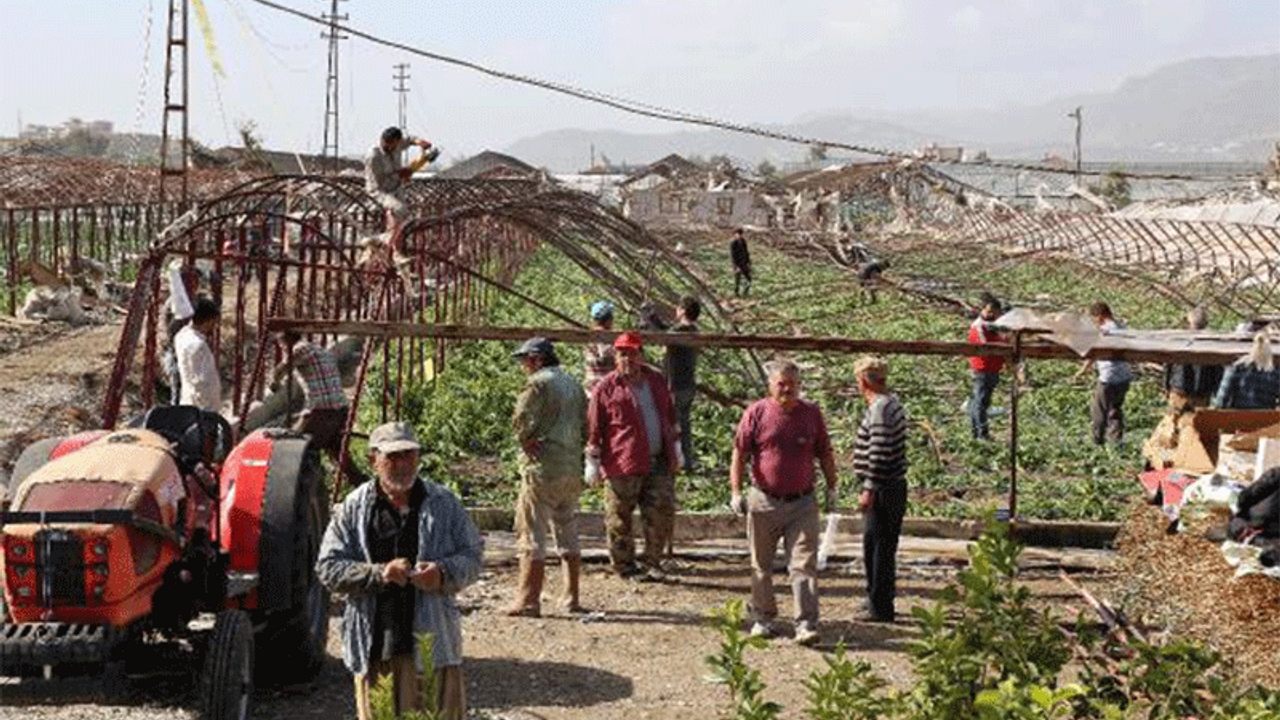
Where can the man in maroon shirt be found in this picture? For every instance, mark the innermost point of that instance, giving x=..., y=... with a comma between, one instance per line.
x=783, y=436
x=631, y=440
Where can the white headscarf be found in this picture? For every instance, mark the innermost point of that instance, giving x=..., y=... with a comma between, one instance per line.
x=1260, y=355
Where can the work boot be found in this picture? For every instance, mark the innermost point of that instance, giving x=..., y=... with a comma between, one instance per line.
x=529, y=595
x=572, y=575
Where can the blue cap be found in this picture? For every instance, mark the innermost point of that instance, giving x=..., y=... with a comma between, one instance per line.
x=602, y=309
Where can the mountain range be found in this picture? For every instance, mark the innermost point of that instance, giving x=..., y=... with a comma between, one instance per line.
x=1202, y=110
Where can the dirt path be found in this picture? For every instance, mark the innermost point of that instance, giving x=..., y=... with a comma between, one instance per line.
x=52, y=379
x=640, y=653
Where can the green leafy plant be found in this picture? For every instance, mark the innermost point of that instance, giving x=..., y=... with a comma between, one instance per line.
x=381, y=696
x=730, y=667
x=981, y=633
x=986, y=654
x=1176, y=680
x=1012, y=701
x=849, y=690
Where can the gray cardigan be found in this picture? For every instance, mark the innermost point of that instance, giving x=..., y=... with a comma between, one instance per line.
x=446, y=536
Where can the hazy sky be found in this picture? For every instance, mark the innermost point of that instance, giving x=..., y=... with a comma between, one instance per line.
x=740, y=60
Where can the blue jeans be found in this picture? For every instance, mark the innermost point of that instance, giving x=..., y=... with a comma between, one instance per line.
x=984, y=384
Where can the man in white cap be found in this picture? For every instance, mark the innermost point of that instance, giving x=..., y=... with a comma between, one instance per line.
x=549, y=421
x=399, y=549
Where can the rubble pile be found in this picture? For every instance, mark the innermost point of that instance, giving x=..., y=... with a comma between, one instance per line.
x=1182, y=582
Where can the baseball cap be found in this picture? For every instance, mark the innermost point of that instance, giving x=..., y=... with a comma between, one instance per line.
x=628, y=341
x=393, y=437
x=535, y=346
x=601, y=309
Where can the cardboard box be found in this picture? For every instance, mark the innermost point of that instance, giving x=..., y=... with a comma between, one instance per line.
x=1268, y=455
x=1201, y=432
x=1237, y=456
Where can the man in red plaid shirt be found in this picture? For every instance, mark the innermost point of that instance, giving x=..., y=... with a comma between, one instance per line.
x=324, y=416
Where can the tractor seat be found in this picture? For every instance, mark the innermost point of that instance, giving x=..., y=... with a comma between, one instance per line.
x=197, y=435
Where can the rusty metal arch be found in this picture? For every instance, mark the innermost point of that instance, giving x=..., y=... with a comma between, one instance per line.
x=468, y=234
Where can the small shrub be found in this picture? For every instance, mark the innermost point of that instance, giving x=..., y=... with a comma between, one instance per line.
x=745, y=686
x=383, y=703
x=849, y=690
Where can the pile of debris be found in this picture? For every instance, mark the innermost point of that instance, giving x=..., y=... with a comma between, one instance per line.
x=1207, y=565
x=1181, y=581
x=84, y=295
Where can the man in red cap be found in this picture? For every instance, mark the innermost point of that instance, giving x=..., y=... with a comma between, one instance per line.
x=631, y=442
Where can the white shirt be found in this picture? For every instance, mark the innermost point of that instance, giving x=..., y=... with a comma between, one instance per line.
x=201, y=385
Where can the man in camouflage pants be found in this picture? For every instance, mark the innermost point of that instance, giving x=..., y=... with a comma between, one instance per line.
x=632, y=441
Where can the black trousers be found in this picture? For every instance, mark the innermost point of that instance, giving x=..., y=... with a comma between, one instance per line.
x=880, y=548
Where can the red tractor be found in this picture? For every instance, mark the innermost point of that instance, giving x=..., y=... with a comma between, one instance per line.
x=115, y=541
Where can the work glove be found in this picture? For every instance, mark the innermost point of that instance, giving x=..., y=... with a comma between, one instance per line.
x=591, y=471
x=738, y=504
x=832, y=497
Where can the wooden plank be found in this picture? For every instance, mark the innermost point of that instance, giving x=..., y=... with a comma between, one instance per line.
x=1217, y=351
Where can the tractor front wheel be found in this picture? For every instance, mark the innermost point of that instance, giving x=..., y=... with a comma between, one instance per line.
x=226, y=682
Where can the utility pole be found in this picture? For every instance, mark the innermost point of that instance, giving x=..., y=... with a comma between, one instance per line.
x=401, y=77
x=329, y=153
x=175, y=62
x=1078, y=118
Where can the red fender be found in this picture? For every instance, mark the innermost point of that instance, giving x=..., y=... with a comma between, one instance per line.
x=242, y=486
x=265, y=484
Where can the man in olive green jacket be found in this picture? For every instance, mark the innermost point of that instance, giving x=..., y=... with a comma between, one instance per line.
x=549, y=421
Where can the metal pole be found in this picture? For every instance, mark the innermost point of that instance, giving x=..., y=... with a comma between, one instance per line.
x=329, y=153
x=401, y=77
x=1079, y=120
x=1013, y=426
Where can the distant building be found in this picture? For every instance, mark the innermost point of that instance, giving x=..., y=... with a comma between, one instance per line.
x=674, y=191
x=273, y=162
x=603, y=187
x=1055, y=161
x=489, y=165
x=38, y=132
x=73, y=126
x=941, y=153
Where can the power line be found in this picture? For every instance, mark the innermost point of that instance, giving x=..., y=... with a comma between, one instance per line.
x=660, y=113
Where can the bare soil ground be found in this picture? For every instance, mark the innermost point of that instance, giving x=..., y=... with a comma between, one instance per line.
x=639, y=653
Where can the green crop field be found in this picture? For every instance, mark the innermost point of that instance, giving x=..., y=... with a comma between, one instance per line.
x=464, y=413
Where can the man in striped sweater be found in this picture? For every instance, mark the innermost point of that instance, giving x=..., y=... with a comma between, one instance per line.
x=880, y=462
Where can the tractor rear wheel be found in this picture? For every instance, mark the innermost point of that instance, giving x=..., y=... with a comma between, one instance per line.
x=299, y=636
x=226, y=682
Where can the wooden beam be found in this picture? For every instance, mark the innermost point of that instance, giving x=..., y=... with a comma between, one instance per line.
x=1216, y=351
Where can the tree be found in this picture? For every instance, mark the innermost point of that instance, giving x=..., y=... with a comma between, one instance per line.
x=766, y=169
x=249, y=136
x=817, y=152
x=720, y=162
x=1114, y=188
x=80, y=143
